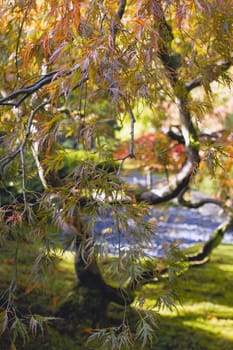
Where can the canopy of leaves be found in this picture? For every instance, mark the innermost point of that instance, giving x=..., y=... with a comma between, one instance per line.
x=71, y=72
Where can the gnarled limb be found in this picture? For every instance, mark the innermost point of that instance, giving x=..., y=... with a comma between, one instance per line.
x=177, y=184
x=90, y=276
x=189, y=137
x=216, y=71
x=198, y=204
x=96, y=294
x=212, y=243
x=27, y=91
x=153, y=275
x=189, y=134
x=16, y=98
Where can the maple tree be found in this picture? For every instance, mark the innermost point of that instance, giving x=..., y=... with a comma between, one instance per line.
x=77, y=69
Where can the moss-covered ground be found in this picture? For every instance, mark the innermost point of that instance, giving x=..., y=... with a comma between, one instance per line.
x=203, y=321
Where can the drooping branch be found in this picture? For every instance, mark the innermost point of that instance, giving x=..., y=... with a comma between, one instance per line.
x=152, y=275
x=28, y=90
x=212, y=243
x=216, y=71
x=130, y=154
x=195, y=205
x=4, y=161
x=172, y=189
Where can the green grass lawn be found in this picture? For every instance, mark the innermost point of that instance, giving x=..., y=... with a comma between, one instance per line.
x=203, y=321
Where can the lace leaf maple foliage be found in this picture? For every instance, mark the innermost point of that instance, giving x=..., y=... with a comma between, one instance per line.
x=59, y=59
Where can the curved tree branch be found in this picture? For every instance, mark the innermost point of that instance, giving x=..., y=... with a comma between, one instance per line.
x=198, y=204
x=174, y=136
x=189, y=134
x=216, y=71
x=170, y=191
x=22, y=94
x=212, y=243
x=28, y=90
x=153, y=275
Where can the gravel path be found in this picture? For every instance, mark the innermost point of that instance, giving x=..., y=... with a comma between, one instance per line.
x=176, y=223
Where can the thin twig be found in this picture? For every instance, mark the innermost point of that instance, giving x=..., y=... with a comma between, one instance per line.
x=23, y=177
x=80, y=83
x=196, y=205
x=7, y=159
x=39, y=167
x=18, y=38
x=216, y=71
x=131, y=145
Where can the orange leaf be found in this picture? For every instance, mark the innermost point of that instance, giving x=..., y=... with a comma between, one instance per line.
x=139, y=20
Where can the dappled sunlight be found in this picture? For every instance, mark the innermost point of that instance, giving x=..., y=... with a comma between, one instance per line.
x=114, y=117
x=207, y=316
x=66, y=262
x=204, y=318
x=212, y=324
x=226, y=267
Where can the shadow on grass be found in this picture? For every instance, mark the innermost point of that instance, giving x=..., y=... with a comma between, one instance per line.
x=205, y=322
x=172, y=335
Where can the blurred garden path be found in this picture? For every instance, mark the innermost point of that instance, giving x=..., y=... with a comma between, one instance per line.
x=173, y=223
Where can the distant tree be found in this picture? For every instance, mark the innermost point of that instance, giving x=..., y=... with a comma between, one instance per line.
x=78, y=68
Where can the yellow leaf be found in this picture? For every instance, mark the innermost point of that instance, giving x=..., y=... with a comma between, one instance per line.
x=87, y=330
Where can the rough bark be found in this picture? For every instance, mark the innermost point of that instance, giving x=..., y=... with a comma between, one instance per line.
x=90, y=276
x=189, y=135
x=92, y=295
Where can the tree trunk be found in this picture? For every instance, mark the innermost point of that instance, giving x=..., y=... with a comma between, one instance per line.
x=92, y=295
